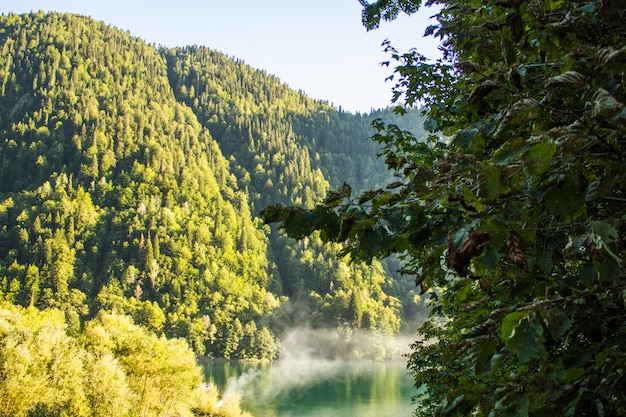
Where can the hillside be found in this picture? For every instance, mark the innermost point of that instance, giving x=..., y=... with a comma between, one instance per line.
x=130, y=179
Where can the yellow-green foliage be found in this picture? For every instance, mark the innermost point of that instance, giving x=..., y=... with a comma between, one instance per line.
x=208, y=403
x=114, y=368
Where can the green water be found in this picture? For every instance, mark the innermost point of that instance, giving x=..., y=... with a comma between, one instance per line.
x=317, y=388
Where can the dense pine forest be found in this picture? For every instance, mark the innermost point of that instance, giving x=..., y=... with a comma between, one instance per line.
x=131, y=178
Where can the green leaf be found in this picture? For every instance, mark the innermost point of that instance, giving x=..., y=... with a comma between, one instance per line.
x=492, y=257
x=565, y=200
x=557, y=322
x=571, y=78
x=513, y=404
x=567, y=376
x=362, y=226
x=570, y=410
x=510, y=323
x=604, y=238
x=489, y=181
x=588, y=8
x=545, y=263
x=345, y=190
x=371, y=242
x=328, y=223
x=591, y=193
x=603, y=356
x=483, y=352
x=369, y=195
x=508, y=52
x=605, y=232
x=509, y=151
x=496, y=361
x=300, y=223
x=462, y=289
x=608, y=269
x=430, y=124
x=604, y=104
x=333, y=198
x=523, y=334
x=381, y=199
x=274, y=213
x=538, y=157
x=464, y=138
x=456, y=403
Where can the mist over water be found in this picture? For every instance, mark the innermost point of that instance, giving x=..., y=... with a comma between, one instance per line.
x=327, y=373
x=342, y=344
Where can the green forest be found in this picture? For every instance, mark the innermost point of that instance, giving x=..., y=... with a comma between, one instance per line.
x=161, y=206
x=131, y=179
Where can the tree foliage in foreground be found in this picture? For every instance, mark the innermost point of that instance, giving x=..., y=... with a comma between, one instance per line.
x=113, y=368
x=513, y=219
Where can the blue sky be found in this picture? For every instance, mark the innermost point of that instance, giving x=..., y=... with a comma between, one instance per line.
x=318, y=46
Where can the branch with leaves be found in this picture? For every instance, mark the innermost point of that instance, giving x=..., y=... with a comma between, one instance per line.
x=509, y=213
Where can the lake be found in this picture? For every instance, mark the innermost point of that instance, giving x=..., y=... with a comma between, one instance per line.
x=317, y=387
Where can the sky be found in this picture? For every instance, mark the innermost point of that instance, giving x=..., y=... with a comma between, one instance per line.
x=317, y=46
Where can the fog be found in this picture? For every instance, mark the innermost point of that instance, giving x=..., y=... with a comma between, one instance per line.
x=341, y=344
x=309, y=356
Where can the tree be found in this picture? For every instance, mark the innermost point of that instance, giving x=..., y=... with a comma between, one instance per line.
x=113, y=398
x=161, y=373
x=40, y=365
x=511, y=213
x=20, y=385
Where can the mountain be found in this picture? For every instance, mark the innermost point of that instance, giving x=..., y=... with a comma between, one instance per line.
x=130, y=180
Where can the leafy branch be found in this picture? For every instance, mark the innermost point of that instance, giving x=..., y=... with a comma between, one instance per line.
x=510, y=213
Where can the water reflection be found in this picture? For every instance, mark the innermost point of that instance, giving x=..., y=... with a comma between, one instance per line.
x=317, y=387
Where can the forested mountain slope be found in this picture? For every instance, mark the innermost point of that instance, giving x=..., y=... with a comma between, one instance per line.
x=113, y=195
x=129, y=180
x=287, y=148
x=288, y=144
